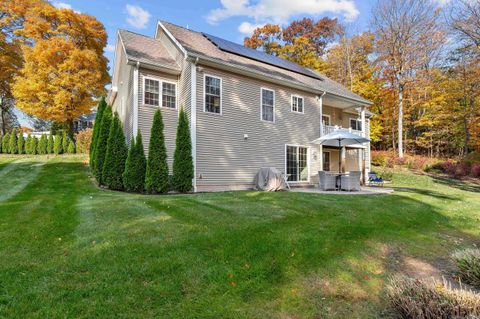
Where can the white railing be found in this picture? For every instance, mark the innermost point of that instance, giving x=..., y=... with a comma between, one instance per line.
x=330, y=128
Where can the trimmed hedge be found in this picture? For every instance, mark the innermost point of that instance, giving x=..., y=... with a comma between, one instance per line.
x=182, y=159
x=134, y=175
x=115, y=157
x=156, y=178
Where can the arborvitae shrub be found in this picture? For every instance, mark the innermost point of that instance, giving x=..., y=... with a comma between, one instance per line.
x=115, y=157
x=65, y=140
x=182, y=159
x=96, y=128
x=1, y=144
x=101, y=147
x=5, y=143
x=156, y=177
x=33, y=146
x=57, y=145
x=42, y=145
x=28, y=144
x=50, y=144
x=13, y=144
x=21, y=143
x=134, y=175
x=71, y=147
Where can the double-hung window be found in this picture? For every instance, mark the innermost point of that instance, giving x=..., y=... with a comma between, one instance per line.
x=151, y=92
x=297, y=104
x=268, y=105
x=213, y=94
x=296, y=163
x=159, y=93
x=169, y=95
x=356, y=124
x=326, y=161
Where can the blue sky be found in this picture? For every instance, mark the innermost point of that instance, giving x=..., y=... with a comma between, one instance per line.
x=230, y=19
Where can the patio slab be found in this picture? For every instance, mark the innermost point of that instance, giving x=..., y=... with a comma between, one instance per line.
x=370, y=190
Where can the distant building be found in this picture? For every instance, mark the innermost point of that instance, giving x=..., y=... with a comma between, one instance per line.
x=84, y=121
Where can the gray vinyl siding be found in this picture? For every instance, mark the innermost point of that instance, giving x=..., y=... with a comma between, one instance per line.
x=124, y=100
x=224, y=157
x=146, y=112
x=185, y=89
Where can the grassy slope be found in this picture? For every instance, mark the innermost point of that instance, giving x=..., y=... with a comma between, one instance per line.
x=71, y=250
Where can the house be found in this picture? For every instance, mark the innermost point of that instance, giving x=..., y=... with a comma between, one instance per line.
x=246, y=109
x=84, y=121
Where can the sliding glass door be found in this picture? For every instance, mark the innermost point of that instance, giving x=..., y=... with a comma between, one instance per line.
x=297, y=163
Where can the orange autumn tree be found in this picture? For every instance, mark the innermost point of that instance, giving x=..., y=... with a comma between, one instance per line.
x=64, y=69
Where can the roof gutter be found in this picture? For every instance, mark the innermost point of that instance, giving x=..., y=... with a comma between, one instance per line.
x=248, y=72
x=157, y=66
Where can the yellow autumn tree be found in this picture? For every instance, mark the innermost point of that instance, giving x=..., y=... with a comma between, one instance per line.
x=64, y=69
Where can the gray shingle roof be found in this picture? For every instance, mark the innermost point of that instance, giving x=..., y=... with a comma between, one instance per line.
x=195, y=43
x=147, y=50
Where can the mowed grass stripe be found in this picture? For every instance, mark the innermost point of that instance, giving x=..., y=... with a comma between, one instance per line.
x=16, y=176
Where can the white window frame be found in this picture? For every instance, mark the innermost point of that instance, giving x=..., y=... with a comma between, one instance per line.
x=308, y=162
x=160, y=92
x=176, y=95
x=303, y=103
x=357, y=120
x=329, y=119
x=205, y=75
x=261, y=104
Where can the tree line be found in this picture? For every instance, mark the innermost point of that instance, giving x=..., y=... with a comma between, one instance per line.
x=419, y=64
x=119, y=166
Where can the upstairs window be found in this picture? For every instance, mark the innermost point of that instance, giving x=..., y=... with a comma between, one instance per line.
x=268, y=105
x=151, y=92
x=213, y=94
x=356, y=124
x=159, y=93
x=297, y=104
x=169, y=95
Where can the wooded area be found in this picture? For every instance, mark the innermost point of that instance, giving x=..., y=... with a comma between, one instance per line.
x=419, y=64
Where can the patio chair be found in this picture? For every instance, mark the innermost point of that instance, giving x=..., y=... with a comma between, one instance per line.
x=374, y=179
x=326, y=181
x=351, y=182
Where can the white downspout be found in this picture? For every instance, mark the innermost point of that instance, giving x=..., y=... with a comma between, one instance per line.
x=193, y=121
x=135, y=100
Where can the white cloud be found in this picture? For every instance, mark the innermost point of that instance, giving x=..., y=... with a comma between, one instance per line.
x=110, y=48
x=280, y=11
x=137, y=17
x=247, y=28
x=63, y=5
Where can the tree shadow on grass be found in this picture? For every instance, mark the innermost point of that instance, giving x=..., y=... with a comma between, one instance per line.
x=455, y=183
x=426, y=192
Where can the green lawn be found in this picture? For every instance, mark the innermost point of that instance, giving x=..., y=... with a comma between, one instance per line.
x=69, y=249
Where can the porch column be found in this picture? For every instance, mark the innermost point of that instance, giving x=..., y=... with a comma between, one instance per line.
x=364, y=134
x=343, y=156
x=362, y=116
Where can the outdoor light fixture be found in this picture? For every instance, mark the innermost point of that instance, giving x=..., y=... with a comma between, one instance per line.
x=245, y=137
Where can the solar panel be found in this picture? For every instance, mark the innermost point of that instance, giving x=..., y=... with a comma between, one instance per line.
x=250, y=53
